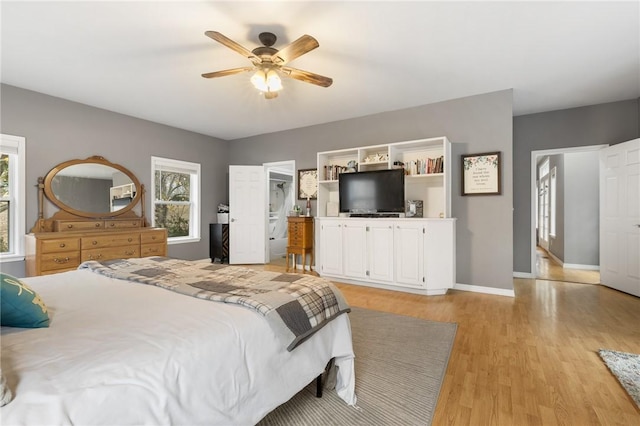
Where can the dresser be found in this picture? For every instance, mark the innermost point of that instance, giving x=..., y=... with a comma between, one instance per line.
x=53, y=252
x=100, y=216
x=219, y=242
x=300, y=240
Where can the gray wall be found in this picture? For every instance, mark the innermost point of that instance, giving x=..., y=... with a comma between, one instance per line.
x=609, y=123
x=582, y=201
x=58, y=130
x=474, y=124
x=86, y=194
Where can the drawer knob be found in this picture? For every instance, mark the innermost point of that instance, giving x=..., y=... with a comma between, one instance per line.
x=130, y=253
x=59, y=260
x=98, y=225
x=129, y=239
x=153, y=238
x=91, y=257
x=69, y=226
x=94, y=242
x=63, y=245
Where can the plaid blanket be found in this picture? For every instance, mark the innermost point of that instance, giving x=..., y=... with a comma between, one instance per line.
x=295, y=305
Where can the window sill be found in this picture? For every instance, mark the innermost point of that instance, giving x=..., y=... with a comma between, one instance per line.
x=11, y=258
x=182, y=240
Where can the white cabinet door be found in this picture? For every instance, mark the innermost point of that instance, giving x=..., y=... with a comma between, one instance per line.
x=440, y=254
x=409, y=246
x=380, y=246
x=331, y=247
x=354, y=243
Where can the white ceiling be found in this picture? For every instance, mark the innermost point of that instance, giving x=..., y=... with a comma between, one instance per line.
x=145, y=58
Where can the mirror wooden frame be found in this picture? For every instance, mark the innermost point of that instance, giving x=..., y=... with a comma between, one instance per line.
x=68, y=212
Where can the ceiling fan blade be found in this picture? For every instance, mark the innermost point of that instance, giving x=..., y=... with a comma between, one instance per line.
x=232, y=45
x=226, y=72
x=307, y=77
x=297, y=48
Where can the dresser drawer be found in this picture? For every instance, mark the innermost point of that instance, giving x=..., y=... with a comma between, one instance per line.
x=109, y=253
x=57, y=261
x=295, y=240
x=57, y=271
x=59, y=245
x=77, y=225
x=153, y=237
x=104, y=241
x=152, y=250
x=122, y=224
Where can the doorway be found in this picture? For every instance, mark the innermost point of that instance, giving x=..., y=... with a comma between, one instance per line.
x=280, y=198
x=558, y=230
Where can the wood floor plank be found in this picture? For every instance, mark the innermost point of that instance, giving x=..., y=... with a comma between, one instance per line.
x=527, y=360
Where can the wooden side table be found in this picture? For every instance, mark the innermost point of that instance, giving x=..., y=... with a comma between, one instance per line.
x=300, y=240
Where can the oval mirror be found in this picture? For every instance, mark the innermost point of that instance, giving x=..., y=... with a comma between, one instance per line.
x=93, y=187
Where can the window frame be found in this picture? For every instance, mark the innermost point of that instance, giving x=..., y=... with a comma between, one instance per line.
x=193, y=169
x=15, y=147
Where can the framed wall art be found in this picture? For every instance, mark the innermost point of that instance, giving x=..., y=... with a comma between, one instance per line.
x=307, y=184
x=481, y=174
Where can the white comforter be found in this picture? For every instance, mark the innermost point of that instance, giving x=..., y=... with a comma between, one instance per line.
x=125, y=353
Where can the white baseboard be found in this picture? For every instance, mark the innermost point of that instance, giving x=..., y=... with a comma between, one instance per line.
x=555, y=258
x=523, y=275
x=486, y=290
x=578, y=266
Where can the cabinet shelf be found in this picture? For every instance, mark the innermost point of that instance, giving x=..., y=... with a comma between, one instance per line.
x=423, y=154
x=424, y=176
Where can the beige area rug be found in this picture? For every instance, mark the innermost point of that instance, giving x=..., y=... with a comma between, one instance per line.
x=400, y=364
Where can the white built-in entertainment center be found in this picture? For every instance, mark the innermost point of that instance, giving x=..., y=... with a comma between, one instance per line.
x=414, y=254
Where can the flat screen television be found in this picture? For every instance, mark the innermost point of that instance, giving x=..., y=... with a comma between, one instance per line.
x=372, y=192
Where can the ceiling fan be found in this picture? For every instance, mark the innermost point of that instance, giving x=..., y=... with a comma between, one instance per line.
x=269, y=62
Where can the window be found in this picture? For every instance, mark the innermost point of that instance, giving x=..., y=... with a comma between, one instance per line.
x=175, y=192
x=12, y=197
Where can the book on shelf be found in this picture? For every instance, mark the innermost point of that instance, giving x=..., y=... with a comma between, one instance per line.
x=331, y=172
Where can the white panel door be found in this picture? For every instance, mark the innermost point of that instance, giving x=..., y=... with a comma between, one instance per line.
x=247, y=228
x=380, y=248
x=620, y=217
x=331, y=247
x=354, y=243
x=409, y=253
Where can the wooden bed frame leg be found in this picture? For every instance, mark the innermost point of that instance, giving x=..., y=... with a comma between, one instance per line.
x=319, y=386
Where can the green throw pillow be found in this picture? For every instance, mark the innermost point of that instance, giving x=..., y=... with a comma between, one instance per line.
x=20, y=306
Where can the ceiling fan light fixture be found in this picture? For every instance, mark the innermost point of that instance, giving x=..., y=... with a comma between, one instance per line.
x=266, y=81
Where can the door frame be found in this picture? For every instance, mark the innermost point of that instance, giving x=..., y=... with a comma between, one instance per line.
x=275, y=165
x=534, y=193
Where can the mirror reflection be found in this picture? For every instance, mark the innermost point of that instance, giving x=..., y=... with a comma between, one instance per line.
x=93, y=188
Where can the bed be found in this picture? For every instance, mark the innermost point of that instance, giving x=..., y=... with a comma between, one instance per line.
x=122, y=352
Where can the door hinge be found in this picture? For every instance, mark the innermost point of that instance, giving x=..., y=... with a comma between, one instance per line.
x=422, y=279
x=423, y=231
x=367, y=273
x=367, y=229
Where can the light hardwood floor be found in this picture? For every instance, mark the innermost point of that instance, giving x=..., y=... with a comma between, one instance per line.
x=548, y=268
x=528, y=360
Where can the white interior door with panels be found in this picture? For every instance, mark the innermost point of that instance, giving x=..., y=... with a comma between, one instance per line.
x=620, y=217
x=247, y=228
